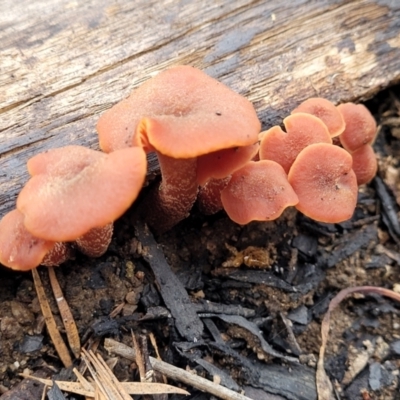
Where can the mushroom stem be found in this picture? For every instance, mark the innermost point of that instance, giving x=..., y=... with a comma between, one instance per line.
x=171, y=201
x=95, y=242
x=60, y=253
x=209, y=197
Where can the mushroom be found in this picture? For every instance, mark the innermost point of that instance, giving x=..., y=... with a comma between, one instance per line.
x=325, y=183
x=324, y=110
x=181, y=114
x=301, y=130
x=20, y=250
x=360, y=126
x=213, y=174
x=259, y=191
x=220, y=164
x=209, y=197
x=74, y=189
x=365, y=164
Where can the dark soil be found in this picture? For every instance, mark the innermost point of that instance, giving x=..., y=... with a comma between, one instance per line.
x=284, y=272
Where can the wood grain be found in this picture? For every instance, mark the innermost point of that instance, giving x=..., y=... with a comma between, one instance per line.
x=62, y=63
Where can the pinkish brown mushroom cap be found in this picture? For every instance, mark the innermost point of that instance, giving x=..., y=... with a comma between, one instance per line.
x=181, y=112
x=324, y=110
x=360, y=126
x=301, y=130
x=259, y=191
x=325, y=183
x=74, y=189
x=365, y=164
x=20, y=250
x=219, y=164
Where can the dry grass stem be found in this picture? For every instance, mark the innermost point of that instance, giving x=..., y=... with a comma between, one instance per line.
x=68, y=320
x=54, y=333
x=177, y=374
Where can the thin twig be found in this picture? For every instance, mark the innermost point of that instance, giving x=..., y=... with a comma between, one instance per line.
x=54, y=333
x=68, y=320
x=178, y=374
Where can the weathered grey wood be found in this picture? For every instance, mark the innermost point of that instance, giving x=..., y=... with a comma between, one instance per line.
x=63, y=62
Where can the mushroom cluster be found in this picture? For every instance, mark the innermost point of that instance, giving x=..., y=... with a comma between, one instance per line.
x=302, y=165
x=71, y=201
x=208, y=143
x=199, y=129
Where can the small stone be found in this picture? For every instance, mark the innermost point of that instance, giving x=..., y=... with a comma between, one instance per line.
x=31, y=344
x=375, y=375
x=10, y=328
x=381, y=350
x=299, y=315
x=130, y=269
x=133, y=297
x=395, y=347
x=396, y=287
x=21, y=313
x=128, y=309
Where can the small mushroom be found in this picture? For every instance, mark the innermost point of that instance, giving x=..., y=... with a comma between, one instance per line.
x=214, y=172
x=220, y=164
x=259, y=191
x=360, y=126
x=365, y=164
x=209, y=197
x=301, y=130
x=74, y=189
x=324, y=110
x=20, y=250
x=325, y=183
x=181, y=114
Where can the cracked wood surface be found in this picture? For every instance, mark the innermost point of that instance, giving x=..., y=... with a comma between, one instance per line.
x=63, y=62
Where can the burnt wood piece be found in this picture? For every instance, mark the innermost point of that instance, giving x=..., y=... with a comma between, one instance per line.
x=349, y=244
x=258, y=277
x=296, y=382
x=255, y=331
x=248, y=371
x=55, y=393
x=389, y=208
x=212, y=328
x=172, y=291
x=64, y=63
x=225, y=379
x=210, y=307
x=259, y=394
x=27, y=389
